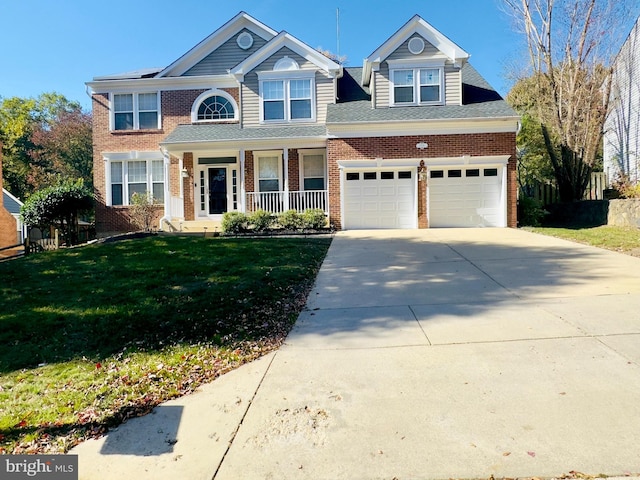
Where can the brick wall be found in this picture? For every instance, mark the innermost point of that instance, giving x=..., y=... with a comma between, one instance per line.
x=8, y=224
x=405, y=147
x=175, y=110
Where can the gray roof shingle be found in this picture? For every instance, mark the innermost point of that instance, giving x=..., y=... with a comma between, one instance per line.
x=9, y=203
x=229, y=132
x=480, y=101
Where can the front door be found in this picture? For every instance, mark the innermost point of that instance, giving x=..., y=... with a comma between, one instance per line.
x=217, y=191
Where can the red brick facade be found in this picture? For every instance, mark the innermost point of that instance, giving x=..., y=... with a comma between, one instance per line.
x=175, y=110
x=477, y=144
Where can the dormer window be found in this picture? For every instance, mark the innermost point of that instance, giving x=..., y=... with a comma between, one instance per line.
x=287, y=93
x=417, y=86
x=214, y=105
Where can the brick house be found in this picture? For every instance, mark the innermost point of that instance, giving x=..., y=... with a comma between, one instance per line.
x=255, y=119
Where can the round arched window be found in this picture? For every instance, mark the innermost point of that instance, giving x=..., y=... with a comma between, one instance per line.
x=216, y=108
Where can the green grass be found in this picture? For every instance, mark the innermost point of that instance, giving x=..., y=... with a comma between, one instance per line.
x=620, y=239
x=94, y=335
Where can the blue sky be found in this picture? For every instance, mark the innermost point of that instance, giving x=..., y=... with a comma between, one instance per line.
x=59, y=45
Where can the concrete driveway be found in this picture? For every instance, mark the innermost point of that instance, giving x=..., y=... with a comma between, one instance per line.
x=450, y=353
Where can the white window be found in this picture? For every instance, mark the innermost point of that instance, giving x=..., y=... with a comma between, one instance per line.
x=268, y=173
x=313, y=170
x=214, y=105
x=417, y=86
x=127, y=177
x=273, y=100
x=136, y=111
x=287, y=100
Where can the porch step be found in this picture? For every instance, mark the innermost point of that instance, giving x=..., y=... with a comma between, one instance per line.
x=192, y=226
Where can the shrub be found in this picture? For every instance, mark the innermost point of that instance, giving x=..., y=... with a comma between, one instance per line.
x=291, y=220
x=314, y=219
x=59, y=206
x=261, y=220
x=234, y=222
x=142, y=211
x=530, y=212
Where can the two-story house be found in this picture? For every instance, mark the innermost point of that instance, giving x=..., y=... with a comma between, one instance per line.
x=251, y=118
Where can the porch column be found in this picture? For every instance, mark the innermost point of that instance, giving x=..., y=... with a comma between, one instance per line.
x=167, y=185
x=285, y=158
x=243, y=196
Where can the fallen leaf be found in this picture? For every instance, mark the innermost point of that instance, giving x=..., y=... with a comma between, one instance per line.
x=531, y=454
x=506, y=454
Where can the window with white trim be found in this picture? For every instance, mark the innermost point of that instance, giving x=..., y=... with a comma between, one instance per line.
x=313, y=170
x=417, y=86
x=268, y=173
x=287, y=100
x=136, y=111
x=127, y=177
x=287, y=93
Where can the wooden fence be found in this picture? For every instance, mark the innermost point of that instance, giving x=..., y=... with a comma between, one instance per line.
x=548, y=193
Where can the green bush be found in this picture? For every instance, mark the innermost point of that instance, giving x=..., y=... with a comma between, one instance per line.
x=291, y=220
x=314, y=219
x=235, y=222
x=261, y=220
x=530, y=212
x=59, y=206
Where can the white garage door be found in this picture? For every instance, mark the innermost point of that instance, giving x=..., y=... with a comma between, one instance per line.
x=469, y=196
x=380, y=199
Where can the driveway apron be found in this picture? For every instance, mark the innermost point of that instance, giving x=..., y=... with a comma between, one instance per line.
x=432, y=354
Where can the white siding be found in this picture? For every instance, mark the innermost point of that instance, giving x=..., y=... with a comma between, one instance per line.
x=622, y=128
x=325, y=91
x=226, y=56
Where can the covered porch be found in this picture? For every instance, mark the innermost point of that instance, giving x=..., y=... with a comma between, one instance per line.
x=209, y=177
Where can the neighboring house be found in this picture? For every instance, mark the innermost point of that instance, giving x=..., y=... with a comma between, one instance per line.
x=8, y=224
x=252, y=118
x=13, y=205
x=622, y=127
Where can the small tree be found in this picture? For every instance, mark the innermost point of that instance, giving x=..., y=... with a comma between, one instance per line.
x=59, y=206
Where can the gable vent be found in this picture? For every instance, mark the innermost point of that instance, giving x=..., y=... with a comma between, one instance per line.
x=245, y=40
x=416, y=45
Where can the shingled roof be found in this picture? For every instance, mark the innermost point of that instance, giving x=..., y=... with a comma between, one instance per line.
x=480, y=100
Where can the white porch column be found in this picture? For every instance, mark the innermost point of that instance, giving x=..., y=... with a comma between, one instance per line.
x=285, y=157
x=243, y=196
x=167, y=186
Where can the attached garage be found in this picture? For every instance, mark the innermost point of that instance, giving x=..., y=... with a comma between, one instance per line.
x=379, y=198
x=467, y=196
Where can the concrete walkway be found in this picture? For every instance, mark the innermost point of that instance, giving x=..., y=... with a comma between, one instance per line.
x=427, y=354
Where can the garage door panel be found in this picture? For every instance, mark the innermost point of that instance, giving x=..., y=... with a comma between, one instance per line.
x=466, y=201
x=381, y=202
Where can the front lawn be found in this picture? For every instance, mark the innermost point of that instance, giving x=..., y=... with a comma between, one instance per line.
x=619, y=239
x=94, y=335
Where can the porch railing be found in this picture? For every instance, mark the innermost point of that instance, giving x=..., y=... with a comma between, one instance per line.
x=278, y=202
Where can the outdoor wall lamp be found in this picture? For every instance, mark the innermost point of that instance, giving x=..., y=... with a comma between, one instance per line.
x=422, y=172
x=185, y=173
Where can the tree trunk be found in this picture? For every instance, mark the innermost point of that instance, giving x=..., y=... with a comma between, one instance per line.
x=572, y=173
